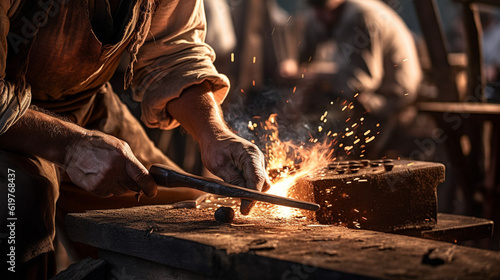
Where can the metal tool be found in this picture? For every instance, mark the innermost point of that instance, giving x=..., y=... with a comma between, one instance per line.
x=169, y=178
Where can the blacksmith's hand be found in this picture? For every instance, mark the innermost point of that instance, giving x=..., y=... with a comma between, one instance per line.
x=226, y=155
x=238, y=162
x=105, y=166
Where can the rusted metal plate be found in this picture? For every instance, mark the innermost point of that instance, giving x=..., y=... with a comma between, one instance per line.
x=273, y=248
x=382, y=195
x=456, y=229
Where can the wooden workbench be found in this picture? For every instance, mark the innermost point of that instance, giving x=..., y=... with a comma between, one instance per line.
x=160, y=242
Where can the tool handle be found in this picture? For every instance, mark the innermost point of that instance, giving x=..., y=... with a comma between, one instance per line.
x=169, y=178
x=172, y=179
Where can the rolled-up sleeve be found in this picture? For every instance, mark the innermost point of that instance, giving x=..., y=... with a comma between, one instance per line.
x=14, y=99
x=173, y=58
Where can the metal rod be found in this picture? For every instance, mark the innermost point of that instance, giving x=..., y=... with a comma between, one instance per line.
x=169, y=178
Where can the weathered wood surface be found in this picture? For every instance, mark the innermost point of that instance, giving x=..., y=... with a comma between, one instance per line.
x=273, y=248
x=87, y=269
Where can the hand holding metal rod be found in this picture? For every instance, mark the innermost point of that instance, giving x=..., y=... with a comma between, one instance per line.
x=168, y=178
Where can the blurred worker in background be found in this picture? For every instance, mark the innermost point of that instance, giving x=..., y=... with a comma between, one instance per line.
x=357, y=52
x=491, y=53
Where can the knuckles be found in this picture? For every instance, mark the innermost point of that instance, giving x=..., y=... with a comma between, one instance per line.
x=98, y=161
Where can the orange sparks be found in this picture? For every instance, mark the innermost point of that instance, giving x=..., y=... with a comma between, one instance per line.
x=282, y=156
x=287, y=162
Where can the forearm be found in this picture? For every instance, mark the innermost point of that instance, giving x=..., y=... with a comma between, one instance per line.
x=226, y=155
x=198, y=112
x=96, y=162
x=42, y=135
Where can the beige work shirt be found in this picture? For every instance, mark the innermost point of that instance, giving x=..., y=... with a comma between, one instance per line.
x=61, y=77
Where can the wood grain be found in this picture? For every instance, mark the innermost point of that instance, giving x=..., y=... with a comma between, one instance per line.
x=270, y=248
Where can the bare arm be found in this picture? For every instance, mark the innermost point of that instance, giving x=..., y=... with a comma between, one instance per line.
x=94, y=161
x=42, y=135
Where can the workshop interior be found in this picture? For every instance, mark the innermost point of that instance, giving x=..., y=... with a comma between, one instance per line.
x=376, y=123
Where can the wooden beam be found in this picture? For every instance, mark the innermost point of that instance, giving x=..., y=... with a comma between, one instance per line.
x=473, y=33
x=429, y=20
x=487, y=109
x=487, y=2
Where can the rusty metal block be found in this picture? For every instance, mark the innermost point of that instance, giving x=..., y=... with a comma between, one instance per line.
x=382, y=195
